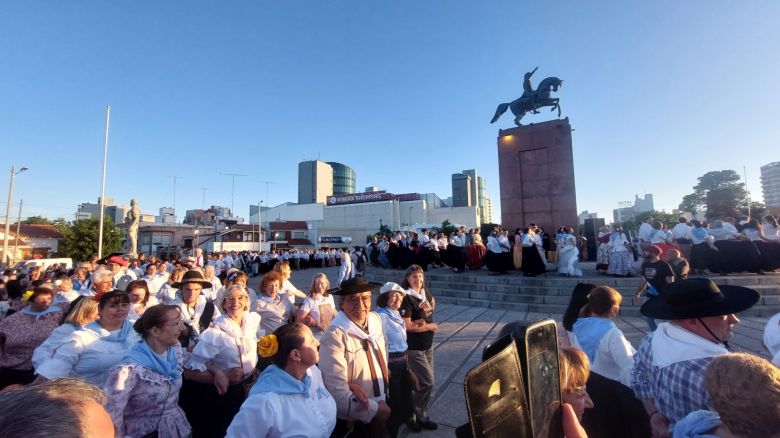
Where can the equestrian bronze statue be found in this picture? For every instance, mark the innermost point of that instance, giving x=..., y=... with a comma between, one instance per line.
x=532, y=100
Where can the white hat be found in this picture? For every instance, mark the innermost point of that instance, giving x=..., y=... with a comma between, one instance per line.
x=391, y=287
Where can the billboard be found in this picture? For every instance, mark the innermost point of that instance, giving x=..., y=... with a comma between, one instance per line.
x=357, y=198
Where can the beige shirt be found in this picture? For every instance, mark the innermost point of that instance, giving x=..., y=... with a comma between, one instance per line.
x=343, y=360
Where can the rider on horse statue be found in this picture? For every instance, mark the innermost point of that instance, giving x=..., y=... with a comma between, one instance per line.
x=532, y=100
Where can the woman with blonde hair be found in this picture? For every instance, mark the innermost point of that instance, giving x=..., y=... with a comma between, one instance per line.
x=287, y=288
x=236, y=277
x=574, y=369
x=83, y=311
x=318, y=309
x=223, y=362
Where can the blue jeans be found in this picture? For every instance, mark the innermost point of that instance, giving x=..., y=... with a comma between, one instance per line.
x=383, y=260
x=650, y=321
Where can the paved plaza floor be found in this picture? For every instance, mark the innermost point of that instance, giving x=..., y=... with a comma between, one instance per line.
x=465, y=330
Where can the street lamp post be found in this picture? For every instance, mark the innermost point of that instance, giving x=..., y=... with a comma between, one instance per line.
x=14, y=172
x=195, y=247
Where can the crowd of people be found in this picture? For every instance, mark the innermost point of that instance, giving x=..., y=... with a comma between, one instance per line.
x=683, y=380
x=181, y=350
x=701, y=248
x=187, y=348
x=530, y=250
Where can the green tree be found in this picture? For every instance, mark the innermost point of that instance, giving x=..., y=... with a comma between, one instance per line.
x=757, y=209
x=447, y=228
x=80, y=239
x=718, y=192
x=37, y=220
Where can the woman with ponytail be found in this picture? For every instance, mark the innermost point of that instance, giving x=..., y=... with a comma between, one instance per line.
x=617, y=412
x=289, y=399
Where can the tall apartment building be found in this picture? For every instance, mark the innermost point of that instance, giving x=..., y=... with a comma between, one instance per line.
x=770, y=184
x=315, y=181
x=468, y=190
x=344, y=179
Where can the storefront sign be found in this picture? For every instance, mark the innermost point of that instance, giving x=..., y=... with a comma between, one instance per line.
x=335, y=239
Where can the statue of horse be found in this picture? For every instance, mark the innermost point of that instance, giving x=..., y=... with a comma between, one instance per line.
x=532, y=100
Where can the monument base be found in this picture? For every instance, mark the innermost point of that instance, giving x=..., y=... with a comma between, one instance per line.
x=536, y=176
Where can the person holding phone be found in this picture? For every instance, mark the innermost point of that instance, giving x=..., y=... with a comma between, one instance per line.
x=417, y=312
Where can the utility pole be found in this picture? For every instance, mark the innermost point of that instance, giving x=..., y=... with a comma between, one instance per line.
x=18, y=228
x=233, y=190
x=14, y=172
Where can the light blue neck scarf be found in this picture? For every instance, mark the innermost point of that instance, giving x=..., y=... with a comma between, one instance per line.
x=696, y=425
x=392, y=314
x=39, y=315
x=143, y=355
x=589, y=332
x=118, y=336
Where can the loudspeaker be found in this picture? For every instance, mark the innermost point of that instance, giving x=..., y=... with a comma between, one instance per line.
x=591, y=230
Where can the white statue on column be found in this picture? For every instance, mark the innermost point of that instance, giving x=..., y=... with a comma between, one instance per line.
x=131, y=220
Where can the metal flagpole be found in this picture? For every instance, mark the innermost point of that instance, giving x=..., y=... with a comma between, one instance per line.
x=103, y=186
x=744, y=173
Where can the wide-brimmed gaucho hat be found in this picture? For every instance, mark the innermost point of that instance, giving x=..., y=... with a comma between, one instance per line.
x=699, y=298
x=193, y=276
x=353, y=286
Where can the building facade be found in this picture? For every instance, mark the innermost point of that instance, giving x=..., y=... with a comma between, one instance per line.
x=117, y=213
x=627, y=210
x=469, y=190
x=315, y=181
x=344, y=179
x=770, y=184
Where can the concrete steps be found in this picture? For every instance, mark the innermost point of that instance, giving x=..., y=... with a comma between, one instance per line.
x=551, y=293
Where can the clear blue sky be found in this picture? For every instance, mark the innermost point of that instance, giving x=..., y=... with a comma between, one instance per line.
x=658, y=92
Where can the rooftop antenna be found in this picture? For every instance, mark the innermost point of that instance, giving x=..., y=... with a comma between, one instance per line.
x=233, y=190
x=175, y=177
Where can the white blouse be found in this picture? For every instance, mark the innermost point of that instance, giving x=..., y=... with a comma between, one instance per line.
x=87, y=355
x=57, y=337
x=288, y=289
x=226, y=345
x=614, y=356
x=274, y=313
x=312, y=306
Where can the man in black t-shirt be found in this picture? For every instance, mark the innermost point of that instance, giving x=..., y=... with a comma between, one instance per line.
x=656, y=276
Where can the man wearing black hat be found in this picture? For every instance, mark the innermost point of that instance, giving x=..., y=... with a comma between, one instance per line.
x=353, y=362
x=669, y=365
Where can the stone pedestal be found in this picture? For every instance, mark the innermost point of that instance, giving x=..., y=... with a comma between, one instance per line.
x=536, y=173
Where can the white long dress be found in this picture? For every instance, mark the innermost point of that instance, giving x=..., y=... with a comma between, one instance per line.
x=568, y=256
